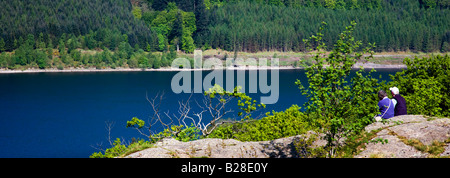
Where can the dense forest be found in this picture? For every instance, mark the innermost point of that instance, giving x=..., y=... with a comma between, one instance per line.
x=397, y=25
x=83, y=33
x=108, y=18
x=261, y=25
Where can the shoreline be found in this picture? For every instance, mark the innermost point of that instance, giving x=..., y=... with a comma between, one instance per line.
x=168, y=69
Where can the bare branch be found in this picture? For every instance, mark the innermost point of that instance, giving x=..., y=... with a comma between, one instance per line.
x=215, y=106
x=99, y=147
x=108, y=126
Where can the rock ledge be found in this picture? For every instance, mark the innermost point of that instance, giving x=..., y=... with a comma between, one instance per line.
x=395, y=131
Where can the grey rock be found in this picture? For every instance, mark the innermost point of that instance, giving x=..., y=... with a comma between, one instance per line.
x=398, y=120
x=395, y=148
x=225, y=148
x=418, y=127
x=425, y=132
x=212, y=148
x=406, y=127
x=446, y=151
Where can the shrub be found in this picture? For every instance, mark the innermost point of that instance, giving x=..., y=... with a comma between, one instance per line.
x=133, y=62
x=157, y=63
x=425, y=85
x=59, y=67
x=276, y=125
x=179, y=132
x=120, y=149
x=336, y=106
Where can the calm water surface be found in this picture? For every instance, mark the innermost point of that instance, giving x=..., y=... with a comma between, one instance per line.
x=64, y=114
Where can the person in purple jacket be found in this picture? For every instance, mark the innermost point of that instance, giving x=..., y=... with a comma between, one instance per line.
x=399, y=102
x=385, y=106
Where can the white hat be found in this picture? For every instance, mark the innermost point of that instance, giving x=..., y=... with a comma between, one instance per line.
x=394, y=90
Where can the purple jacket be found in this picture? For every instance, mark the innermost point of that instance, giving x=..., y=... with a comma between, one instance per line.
x=400, y=107
x=386, y=107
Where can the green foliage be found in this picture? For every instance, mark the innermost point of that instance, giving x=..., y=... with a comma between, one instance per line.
x=379, y=140
x=156, y=63
x=394, y=25
x=276, y=125
x=425, y=85
x=135, y=123
x=230, y=25
x=427, y=97
x=435, y=149
x=69, y=53
x=2, y=45
x=245, y=103
x=137, y=12
x=171, y=25
x=182, y=132
x=179, y=133
x=419, y=25
x=305, y=149
x=356, y=143
x=133, y=63
x=161, y=42
x=19, y=19
x=120, y=149
x=187, y=43
x=338, y=107
x=42, y=59
x=117, y=149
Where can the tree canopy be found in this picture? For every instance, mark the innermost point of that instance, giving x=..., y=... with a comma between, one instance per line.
x=399, y=25
x=32, y=28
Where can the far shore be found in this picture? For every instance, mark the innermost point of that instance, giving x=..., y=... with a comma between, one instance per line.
x=356, y=66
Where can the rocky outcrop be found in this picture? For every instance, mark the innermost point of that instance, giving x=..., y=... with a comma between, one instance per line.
x=226, y=148
x=410, y=136
x=211, y=148
x=398, y=137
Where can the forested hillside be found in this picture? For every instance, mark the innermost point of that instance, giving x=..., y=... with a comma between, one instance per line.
x=48, y=33
x=78, y=17
x=260, y=25
x=393, y=25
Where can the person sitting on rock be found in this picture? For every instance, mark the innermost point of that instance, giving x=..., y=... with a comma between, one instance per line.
x=399, y=102
x=385, y=106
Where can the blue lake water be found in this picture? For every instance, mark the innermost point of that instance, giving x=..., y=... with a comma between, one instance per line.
x=64, y=114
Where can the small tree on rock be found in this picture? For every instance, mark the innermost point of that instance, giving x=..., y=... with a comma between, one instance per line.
x=337, y=104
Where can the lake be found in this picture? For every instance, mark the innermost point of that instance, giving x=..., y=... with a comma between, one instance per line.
x=64, y=114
